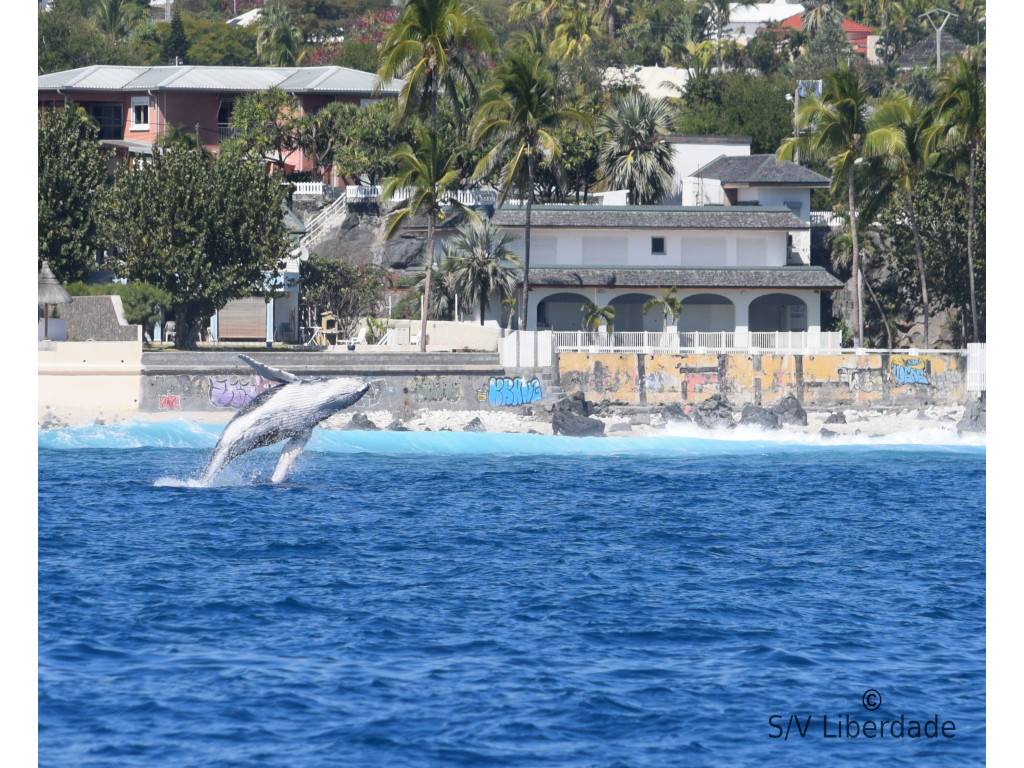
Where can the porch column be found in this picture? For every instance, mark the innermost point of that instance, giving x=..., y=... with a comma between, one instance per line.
x=741, y=302
x=270, y=321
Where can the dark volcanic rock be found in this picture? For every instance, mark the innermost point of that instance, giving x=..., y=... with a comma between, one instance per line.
x=575, y=403
x=397, y=426
x=713, y=413
x=828, y=432
x=574, y=425
x=475, y=426
x=974, y=417
x=673, y=412
x=619, y=426
x=359, y=421
x=836, y=418
x=755, y=415
x=789, y=411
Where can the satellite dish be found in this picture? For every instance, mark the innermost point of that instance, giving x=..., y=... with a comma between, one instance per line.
x=300, y=253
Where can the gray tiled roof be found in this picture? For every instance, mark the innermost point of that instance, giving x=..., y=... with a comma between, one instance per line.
x=814, y=278
x=650, y=217
x=922, y=54
x=761, y=170
x=195, y=78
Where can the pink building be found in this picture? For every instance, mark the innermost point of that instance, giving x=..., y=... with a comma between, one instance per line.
x=135, y=105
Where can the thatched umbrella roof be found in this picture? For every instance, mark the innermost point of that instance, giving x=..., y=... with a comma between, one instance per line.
x=50, y=289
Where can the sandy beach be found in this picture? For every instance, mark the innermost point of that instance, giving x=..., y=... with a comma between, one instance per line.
x=618, y=422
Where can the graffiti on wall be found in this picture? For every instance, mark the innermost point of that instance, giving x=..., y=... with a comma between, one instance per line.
x=505, y=391
x=435, y=388
x=908, y=370
x=379, y=388
x=858, y=379
x=170, y=402
x=237, y=391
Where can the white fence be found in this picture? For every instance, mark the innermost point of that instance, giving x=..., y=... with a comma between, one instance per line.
x=648, y=342
x=976, y=368
x=527, y=349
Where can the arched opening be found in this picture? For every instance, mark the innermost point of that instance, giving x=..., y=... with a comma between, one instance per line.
x=629, y=314
x=778, y=312
x=707, y=313
x=561, y=312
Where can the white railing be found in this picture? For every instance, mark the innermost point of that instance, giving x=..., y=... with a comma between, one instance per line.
x=361, y=193
x=650, y=342
x=976, y=379
x=309, y=188
x=319, y=225
x=827, y=219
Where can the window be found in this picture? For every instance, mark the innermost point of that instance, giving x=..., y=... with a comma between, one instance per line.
x=140, y=113
x=110, y=119
x=224, y=129
x=658, y=246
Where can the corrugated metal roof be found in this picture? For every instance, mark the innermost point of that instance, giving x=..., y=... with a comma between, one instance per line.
x=650, y=217
x=195, y=78
x=806, y=278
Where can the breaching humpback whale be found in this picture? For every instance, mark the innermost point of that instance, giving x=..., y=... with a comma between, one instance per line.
x=286, y=412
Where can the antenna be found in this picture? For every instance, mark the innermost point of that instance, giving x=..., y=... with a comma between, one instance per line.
x=938, y=33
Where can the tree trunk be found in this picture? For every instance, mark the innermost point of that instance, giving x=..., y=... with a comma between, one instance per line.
x=526, y=248
x=920, y=261
x=430, y=271
x=483, y=300
x=881, y=313
x=187, y=325
x=970, y=252
x=858, y=303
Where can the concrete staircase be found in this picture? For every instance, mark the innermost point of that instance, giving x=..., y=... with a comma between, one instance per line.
x=319, y=226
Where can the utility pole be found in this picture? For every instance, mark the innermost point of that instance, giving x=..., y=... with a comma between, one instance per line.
x=938, y=33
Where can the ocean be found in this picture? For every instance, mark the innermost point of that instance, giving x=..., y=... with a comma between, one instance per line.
x=457, y=599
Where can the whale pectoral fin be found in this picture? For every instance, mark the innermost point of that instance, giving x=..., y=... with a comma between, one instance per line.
x=291, y=451
x=267, y=372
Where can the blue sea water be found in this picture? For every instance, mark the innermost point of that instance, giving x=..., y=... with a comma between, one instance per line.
x=443, y=599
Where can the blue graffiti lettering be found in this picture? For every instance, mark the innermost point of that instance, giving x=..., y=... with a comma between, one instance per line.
x=912, y=372
x=513, y=391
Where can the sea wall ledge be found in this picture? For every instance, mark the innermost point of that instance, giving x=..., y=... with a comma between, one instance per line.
x=118, y=376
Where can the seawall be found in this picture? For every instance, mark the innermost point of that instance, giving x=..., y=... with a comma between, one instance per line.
x=118, y=376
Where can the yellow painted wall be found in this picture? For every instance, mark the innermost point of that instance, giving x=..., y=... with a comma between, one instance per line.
x=817, y=380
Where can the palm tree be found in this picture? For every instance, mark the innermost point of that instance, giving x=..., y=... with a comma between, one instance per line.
x=594, y=316
x=278, y=43
x=426, y=47
x=482, y=263
x=719, y=12
x=668, y=302
x=519, y=113
x=960, y=124
x=871, y=244
x=633, y=153
x=902, y=170
x=115, y=17
x=431, y=176
x=844, y=129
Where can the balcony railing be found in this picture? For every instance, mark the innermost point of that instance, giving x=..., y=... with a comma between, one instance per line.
x=699, y=342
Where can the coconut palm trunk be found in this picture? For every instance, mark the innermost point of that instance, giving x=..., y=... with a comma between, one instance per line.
x=426, y=290
x=920, y=262
x=858, y=303
x=530, y=165
x=970, y=246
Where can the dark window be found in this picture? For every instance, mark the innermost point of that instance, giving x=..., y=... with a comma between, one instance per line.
x=110, y=118
x=658, y=245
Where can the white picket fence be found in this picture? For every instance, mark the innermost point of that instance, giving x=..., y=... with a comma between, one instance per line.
x=976, y=379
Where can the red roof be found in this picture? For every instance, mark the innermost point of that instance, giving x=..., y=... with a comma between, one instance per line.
x=856, y=33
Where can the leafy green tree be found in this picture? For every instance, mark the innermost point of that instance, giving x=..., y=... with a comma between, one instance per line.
x=669, y=303
x=634, y=154
x=215, y=43
x=427, y=170
x=828, y=48
x=364, y=141
x=72, y=178
x=116, y=18
x=844, y=127
x=482, y=263
x=267, y=124
x=67, y=40
x=279, y=42
x=205, y=231
x=427, y=47
x=349, y=292
x=719, y=12
x=738, y=104
x=519, y=116
x=960, y=125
